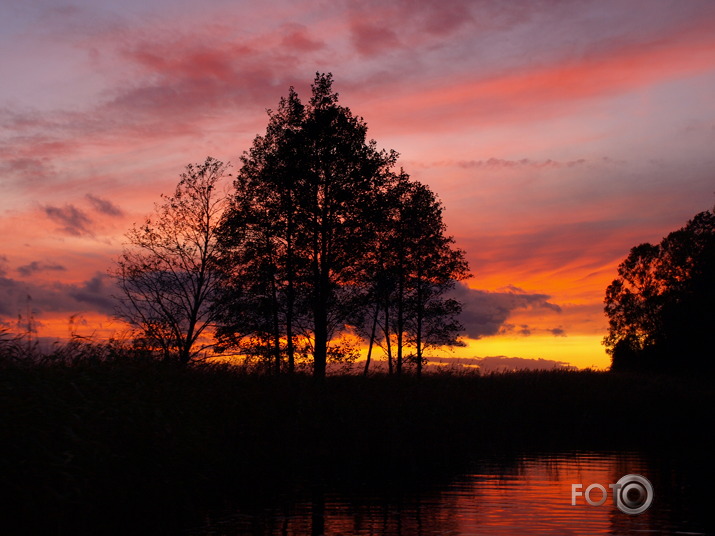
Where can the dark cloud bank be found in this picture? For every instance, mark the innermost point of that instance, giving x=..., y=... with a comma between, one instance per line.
x=94, y=294
x=485, y=313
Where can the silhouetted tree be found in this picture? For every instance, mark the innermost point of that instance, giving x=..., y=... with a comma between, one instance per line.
x=660, y=308
x=323, y=237
x=413, y=264
x=304, y=197
x=260, y=235
x=169, y=273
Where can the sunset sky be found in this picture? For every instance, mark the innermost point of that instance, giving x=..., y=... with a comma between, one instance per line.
x=557, y=134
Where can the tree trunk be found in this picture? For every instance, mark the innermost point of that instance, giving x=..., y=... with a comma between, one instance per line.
x=420, y=315
x=400, y=322
x=322, y=281
x=276, y=327
x=320, y=352
x=291, y=293
x=372, y=336
x=387, y=338
x=321, y=319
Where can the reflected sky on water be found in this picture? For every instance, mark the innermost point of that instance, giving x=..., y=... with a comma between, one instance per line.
x=524, y=495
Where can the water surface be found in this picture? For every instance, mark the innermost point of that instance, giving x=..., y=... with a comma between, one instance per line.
x=522, y=495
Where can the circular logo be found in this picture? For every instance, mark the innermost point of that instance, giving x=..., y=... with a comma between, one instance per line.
x=633, y=494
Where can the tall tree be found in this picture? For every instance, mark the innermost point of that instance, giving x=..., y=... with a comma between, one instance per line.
x=259, y=233
x=325, y=237
x=345, y=172
x=169, y=274
x=660, y=308
x=305, y=191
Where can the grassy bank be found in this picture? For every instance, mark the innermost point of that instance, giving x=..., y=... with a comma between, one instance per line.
x=125, y=440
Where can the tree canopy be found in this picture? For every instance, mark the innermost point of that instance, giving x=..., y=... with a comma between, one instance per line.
x=660, y=308
x=323, y=236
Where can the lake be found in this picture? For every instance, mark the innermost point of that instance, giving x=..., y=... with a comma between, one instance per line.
x=527, y=494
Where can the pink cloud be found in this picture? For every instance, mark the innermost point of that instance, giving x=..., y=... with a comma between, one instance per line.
x=298, y=37
x=381, y=27
x=524, y=163
x=373, y=37
x=528, y=93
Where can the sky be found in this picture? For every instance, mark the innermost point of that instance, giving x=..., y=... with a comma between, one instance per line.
x=558, y=135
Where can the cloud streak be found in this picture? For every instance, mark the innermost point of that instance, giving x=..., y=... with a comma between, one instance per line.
x=73, y=221
x=104, y=206
x=38, y=266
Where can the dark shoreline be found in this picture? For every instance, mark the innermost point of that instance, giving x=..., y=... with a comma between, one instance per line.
x=137, y=441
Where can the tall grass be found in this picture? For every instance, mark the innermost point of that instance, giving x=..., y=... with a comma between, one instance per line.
x=118, y=438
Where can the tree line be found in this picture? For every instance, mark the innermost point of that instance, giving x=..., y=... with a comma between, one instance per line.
x=321, y=246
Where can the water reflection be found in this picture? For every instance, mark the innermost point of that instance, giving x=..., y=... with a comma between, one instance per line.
x=524, y=495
